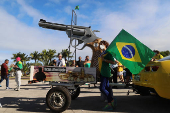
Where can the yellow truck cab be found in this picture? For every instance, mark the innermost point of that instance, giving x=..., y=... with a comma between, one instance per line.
x=155, y=77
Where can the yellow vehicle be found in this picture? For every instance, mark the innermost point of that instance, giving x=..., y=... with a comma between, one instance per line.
x=155, y=77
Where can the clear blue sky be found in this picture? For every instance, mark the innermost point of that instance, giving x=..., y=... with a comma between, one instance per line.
x=147, y=20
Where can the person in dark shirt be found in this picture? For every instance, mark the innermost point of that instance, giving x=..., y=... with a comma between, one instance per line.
x=80, y=62
x=40, y=76
x=4, y=73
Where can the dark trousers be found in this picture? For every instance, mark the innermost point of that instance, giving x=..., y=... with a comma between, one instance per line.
x=105, y=89
x=114, y=72
x=7, y=80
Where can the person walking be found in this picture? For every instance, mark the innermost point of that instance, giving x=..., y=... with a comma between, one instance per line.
x=104, y=65
x=4, y=73
x=18, y=66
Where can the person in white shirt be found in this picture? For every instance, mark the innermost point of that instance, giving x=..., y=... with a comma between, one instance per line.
x=60, y=61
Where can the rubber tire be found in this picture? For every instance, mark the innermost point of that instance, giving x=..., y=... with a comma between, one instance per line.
x=76, y=94
x=66, y=94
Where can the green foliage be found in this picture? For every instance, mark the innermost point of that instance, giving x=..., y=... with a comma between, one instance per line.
x=23, y=57
x=46, y=56
x=165, y=53
x=65, y=53
x=26, y=68
x=36, y=64
x=35, y=56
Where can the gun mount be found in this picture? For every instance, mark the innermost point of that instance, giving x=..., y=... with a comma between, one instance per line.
x=82, y=34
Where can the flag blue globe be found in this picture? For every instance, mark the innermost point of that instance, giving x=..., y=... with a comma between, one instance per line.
x=128, y=51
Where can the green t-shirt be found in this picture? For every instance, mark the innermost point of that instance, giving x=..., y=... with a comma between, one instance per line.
x=19, y=64
x=87, y=65
x=104, y=67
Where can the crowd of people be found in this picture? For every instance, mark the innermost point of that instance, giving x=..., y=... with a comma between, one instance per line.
x=61, y=62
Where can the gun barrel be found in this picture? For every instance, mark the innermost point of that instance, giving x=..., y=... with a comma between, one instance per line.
x=76, y=30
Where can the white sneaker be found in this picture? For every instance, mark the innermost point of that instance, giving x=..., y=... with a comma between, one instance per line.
x=8, y=88
x=17, y=89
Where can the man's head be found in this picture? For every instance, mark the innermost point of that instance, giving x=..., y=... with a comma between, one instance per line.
x=18, y=59
x=156, y=52
x=59, y=56
x=79, y=58
x=6, y=61
x=103, y=45
x=73, y=61
x=87, y=58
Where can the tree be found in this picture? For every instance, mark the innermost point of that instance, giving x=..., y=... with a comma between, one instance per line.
x=165, y=53
x=65, y=53
x=51, y=54
x=46, y=56
x=35, y=56
x=24, y=59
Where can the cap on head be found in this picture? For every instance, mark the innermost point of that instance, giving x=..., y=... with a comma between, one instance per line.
x=18, y=59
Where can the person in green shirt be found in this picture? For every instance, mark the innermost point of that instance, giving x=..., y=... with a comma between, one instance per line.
x=18, y=67
x=104, y=66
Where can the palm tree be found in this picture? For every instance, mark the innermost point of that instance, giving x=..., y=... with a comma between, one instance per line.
x=65, y=53
x=51, y=54
x=46, y=56
x=35, y=56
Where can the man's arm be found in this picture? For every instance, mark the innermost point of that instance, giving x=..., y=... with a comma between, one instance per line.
x=108, y=61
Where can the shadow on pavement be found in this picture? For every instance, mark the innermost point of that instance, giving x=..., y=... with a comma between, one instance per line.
x=25, y=104
x=128, y=104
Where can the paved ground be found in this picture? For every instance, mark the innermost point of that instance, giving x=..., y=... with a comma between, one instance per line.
x=31, y=98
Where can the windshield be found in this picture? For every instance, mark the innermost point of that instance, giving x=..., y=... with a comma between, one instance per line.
x=165, y=58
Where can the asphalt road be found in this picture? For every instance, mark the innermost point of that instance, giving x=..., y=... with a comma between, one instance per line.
x=31, y=98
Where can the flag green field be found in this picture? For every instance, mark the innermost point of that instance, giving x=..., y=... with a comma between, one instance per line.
x=130, y=52
x=77, y=7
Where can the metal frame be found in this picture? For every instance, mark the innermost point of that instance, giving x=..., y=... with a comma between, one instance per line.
x=73, y=22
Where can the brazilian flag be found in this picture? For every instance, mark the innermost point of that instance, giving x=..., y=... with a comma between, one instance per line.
x=77, y=7
x=130, y=52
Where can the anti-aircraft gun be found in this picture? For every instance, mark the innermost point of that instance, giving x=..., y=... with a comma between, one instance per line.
x=82, y=34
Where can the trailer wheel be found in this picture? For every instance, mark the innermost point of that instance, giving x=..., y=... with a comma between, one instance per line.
x=58, y=99
x=75, y=93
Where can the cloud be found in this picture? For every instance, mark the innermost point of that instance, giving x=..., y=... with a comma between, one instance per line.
x=55, y=1
x=74, y=1
x=35, y=14
x=17, y=36
x=84, y=6
x=141, y=19
x=68, y=10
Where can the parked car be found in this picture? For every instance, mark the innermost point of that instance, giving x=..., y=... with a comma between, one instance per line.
x=155, y=77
